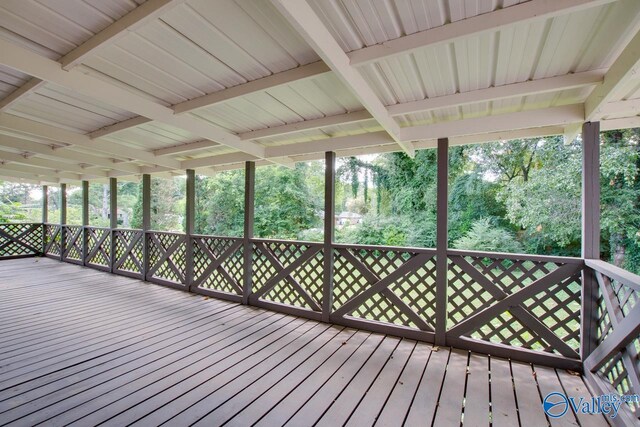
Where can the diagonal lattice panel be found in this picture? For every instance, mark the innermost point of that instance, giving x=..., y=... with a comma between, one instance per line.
x=132, y=259
x=171, y=267
x=98, y=255
x=558, y=307
x=308, y=275
x=415, y=287
x=20, y=239
x=507, y=329
x=73, y=242
x=53, y=239
x=465, y=295
x=228, y=276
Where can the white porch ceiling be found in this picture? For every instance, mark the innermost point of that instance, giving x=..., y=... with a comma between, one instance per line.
x=123, y=87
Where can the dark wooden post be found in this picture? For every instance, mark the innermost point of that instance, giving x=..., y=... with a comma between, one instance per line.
x=190, y=217
x=590, y=232
x=85, y=220
x=249, y=204
x=113, y=220
x=45, y=216
x=146, y=220
x=329, y=232
x=63, y=219
x=442, y=242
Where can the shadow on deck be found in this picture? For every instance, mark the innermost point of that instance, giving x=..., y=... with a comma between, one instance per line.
x=83, y=347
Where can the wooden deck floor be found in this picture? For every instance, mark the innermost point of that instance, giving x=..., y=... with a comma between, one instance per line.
x=82, y=347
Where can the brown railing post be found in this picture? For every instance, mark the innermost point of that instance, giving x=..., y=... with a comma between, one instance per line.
x=63, y=219
x=45, y=217
x=329, y=232
x=442, y=242
x=249, y=204
x=146, y=221
x=113, y=220
x=590, y=233
x=190, y=217
x=85, y=220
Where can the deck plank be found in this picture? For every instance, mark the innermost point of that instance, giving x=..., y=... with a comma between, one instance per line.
x=527, y=395
x=574, y=386
x=504, y=411
x=548, y=382
x=476, y=403
x=449, y=409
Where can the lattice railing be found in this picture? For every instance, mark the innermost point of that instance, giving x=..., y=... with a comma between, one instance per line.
x=129, y=252
x=522, y=301
x=73, y=243
x=395, y=286
x=20, y=240
x=167, y=257
x=288, y=273
x=52, y=238
x=218, y=263
x=98, y=252
x=616, y=357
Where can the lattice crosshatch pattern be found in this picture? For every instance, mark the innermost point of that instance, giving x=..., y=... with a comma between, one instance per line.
x=128, y=248
x=98, y=246
x=20, y=239
x=167, y=260
x=616, y=300
x=73, y=243
x=386, y=285
x=52, y=240
x=218, y=263
x=288, y=273
x=544, y=309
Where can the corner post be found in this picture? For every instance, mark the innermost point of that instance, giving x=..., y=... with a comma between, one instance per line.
x=85, y=220
x=45, y=217
x=442, y=241
x=190, y=217
x=113, y=220
x=329, y=233
x=590, y=233
x=146, y=221
x=63, y=219
x=249, y=211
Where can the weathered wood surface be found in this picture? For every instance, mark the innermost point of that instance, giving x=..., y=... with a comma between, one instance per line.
x=82, y=347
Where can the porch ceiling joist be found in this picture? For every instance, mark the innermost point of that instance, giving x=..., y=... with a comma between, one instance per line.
x=31, y=63
x=59, y=152
x=181, y=148
x=40, y=179
x=10, y=123
x=305, y=21
x=626, y=65
x=487, y=22
x=30, y=86
x=34, y=171
x=48, y=164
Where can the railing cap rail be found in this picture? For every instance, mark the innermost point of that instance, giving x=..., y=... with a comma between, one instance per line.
x=285, y=242
x=616, y=273
x=384, y=248
x=212, y=236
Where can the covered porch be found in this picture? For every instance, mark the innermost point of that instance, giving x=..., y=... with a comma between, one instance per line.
x=250, y=330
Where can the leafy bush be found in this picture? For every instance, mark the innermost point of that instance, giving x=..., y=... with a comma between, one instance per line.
x=484, y=236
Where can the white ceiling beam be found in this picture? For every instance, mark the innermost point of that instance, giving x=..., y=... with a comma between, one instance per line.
x=626, y=65
x=31, y=63
x=48, y=164
x=15, y=176
x=221, y=159
x=330, y=144
x=8, y=166
x=34, y=181
x=339, y=119
x=495, y=93
x=187, y=146
x=624, y=123
x=627, y=107
x=270, y=82
x=571, y=132
x=524, y=119
x=486, y=22
x=117, y=127
x=64, y=153
x=302, y=17
x=30, y=86
x=141, y=15
x=10, y=123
